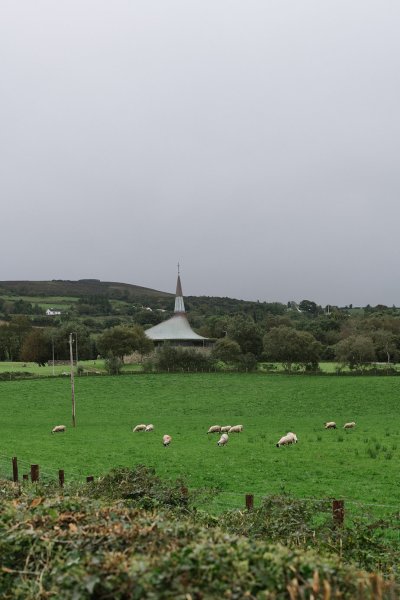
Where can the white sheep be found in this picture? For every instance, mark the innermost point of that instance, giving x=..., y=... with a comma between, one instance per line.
x=214, y=429
x=289, y=438
x=330, y=425
x=349, y=425
x=58, y=429
x=149, y=427
x=225, y=428
x=223, y=440
x=236, y=429
x=141, y=427
x=166, y=440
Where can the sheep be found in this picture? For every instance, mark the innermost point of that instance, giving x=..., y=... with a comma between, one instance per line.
x=226, y=428
x=236, y=429
x=149, y=427
x=166, y=440
x=289, y=438
x=141, y=427
x=58, y=429
x=330, y=425
x=223, y=440
x=349, y=425
x=214, y=429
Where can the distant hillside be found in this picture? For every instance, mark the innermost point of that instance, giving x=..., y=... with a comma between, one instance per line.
x=82, y=287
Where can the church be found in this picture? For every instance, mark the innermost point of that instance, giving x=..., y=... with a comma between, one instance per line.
x=176, y=330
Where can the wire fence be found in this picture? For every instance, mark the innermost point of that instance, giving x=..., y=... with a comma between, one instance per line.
x=343, y=509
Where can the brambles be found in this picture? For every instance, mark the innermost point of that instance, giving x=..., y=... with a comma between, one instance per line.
x=75, y=546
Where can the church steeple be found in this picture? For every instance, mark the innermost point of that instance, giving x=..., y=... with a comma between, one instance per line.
x=179, y=304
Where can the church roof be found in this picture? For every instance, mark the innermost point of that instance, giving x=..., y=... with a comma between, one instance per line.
x=177, y=327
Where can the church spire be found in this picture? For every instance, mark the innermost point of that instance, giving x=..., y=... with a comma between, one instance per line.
x=179, y=304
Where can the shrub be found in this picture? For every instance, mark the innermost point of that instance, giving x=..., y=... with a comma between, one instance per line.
x=113, y=364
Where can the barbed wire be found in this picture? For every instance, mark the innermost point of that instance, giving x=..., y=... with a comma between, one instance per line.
x=52, y=472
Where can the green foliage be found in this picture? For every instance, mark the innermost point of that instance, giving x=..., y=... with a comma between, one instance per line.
x=113, y=364
x=246, y=333
x=36, y=347
x=171, y=358
x=289, y=346
x=226, y=350
x=355, y=351
x=86, y=546
x=118, y=340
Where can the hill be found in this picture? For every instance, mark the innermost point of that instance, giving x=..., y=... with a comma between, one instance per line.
x=82, y=287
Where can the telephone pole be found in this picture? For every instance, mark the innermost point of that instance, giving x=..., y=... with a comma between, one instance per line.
x=72, y=380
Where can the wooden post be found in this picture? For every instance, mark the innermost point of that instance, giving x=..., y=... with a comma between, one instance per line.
x=61, y=477
x=34, y=473
x=71, y=355
x=338, y=512
x=249, y=501
x=15, y=468
x=89, y=478
x=25, y=477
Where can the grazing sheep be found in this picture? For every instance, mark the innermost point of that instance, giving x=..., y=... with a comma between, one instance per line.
x=149, y=427
x=349, y=425
x=166, y=440
x=223, y=440
x=141, y=427
x=226, y=428
x=214, y=429
x=289, y=438
x=58, y=429
x=236, y=429
x=330, y=425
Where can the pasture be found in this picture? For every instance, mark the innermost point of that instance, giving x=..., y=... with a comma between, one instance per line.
x=361, y=465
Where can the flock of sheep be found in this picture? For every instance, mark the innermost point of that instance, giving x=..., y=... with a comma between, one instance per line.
x=225, y=430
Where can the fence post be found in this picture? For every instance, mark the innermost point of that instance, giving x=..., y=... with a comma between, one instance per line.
x=34, y=473
x=338, y=513
x=89, y=478
x=15, y=468
x=61, y=477
x=249, y=501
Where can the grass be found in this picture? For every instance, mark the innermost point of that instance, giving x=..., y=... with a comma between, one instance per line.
x=361, y=465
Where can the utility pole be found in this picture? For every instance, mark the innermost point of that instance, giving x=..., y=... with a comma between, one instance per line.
x=71, y=354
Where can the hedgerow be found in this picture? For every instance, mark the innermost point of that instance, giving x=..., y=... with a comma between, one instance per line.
x=98, y=541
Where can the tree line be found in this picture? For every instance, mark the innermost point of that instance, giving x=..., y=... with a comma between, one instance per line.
x=298, y=336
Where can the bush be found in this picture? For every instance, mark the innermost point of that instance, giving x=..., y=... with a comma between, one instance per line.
x=69, y=547
x=170, y=358
x=113, y=364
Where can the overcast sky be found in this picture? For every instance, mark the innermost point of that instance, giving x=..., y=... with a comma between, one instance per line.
x=257, y=142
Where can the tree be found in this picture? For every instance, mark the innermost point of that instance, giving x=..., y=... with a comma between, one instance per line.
x=143, y=344
x=309, y=307
x=289, y=346
x=355, y=351
x=36, y=347
x=385, y=344
x=122, y=340
x=246, y=333
x=83, y=342
x=227, y=350
x=113, y=364
x=12, y=336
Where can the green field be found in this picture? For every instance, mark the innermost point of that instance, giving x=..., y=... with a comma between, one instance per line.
x=360, y=465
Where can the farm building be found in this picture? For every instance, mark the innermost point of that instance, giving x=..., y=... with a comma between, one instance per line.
x=177, y=330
